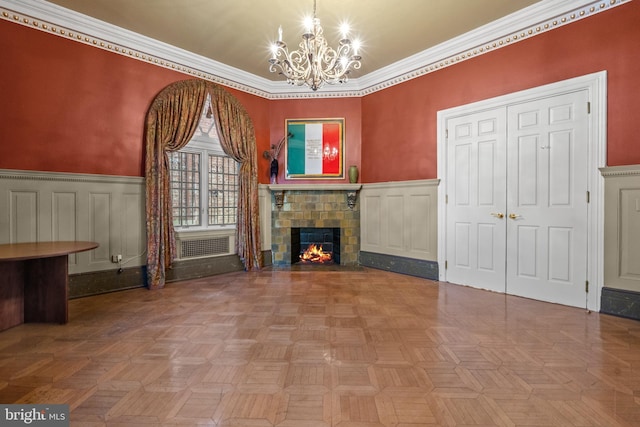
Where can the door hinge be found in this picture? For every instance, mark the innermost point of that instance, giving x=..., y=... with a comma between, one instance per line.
x=446, y=265
x=446, y=134
x=446, y=198
x=588, y=197
x=588, y=107
x=586, y=286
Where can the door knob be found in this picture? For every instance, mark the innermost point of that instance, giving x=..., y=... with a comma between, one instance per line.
x=498, y=214
x=513, y=216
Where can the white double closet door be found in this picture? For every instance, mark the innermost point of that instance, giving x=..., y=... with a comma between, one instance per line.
x=517, y=201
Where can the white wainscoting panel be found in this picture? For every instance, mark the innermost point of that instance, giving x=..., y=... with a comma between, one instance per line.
x=395, y=229
x=100, y=212
x=421, y=238
x=63, y=215
x=132, y=245
x=44, y=206
x=630, y=234
x=400, y=218
x=371, y=222
x=264, y=202
x=622, y=227
x=64, y=218
x=23, y=211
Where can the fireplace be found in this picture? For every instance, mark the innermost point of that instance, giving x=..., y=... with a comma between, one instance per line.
x=325, y=238
x=302, y=210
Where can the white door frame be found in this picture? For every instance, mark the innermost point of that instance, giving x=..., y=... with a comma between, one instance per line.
x=596, y=86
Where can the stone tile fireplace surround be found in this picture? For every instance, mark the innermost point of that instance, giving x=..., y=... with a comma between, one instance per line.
x=315, y=206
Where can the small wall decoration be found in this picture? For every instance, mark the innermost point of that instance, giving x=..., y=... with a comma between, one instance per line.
x=315, y=148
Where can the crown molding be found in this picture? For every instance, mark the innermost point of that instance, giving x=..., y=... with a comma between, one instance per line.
x=72, y=25
x=521, y=25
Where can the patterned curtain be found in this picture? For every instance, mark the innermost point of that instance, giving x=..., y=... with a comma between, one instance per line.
x=238, y=140
x=171, y=122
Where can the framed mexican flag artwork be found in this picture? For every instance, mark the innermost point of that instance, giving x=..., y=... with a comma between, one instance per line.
x=315, y=148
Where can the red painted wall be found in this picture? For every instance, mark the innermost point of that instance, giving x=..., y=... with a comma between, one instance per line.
x=69, y=107
x=399, y=123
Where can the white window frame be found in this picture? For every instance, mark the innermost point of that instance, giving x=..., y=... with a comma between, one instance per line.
x=205, y=147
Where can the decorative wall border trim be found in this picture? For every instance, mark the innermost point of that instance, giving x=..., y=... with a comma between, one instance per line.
x=628, y=170
x=395, y=184
x=529, y=22
x=68, y=177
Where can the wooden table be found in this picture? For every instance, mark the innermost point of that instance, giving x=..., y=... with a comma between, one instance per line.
x=34, y=281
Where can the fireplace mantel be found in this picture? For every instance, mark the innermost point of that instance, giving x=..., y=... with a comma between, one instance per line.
x=315, y=187
x=279, y=189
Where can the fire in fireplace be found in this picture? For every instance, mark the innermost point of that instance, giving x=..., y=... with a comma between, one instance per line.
x=313, y=245
x=315, y=254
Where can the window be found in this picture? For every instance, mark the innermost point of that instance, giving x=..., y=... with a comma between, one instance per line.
x=223, y=190
x=185, y=188
x=202, y=175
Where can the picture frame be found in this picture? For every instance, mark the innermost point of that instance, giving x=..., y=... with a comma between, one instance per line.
x=314, y=149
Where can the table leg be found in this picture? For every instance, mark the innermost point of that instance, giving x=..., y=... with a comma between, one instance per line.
x=46, y=290
x=11, y=294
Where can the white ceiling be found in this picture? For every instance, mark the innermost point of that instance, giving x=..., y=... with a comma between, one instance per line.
x=238, y=32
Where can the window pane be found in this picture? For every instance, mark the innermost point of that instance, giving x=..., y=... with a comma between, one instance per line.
x=223, y=190
x=206, y=125
x=184, y=170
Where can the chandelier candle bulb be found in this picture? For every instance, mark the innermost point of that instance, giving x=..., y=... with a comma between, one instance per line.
x=280, y=33
x=308, y=24
x=344, y=29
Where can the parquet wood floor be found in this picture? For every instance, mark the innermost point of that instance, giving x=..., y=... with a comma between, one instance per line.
x=326, y=348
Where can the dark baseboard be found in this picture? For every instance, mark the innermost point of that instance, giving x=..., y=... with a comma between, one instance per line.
x=203, y=267
x=397, y=264
x=101, y=282
x=105, y=281
x=621, y=303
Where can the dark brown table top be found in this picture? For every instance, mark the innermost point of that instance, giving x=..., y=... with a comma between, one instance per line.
x=33, y=250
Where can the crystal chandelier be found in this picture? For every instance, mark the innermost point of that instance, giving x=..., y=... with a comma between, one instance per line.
x=315, y=63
